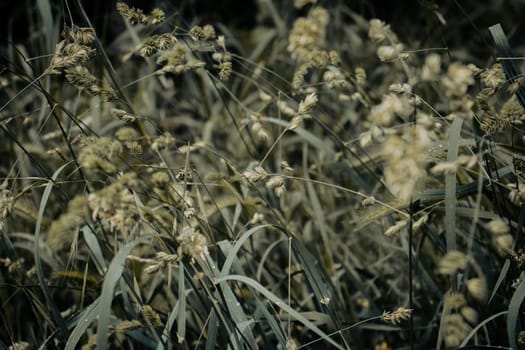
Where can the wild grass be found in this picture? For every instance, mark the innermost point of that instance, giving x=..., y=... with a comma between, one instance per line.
x=317, y=181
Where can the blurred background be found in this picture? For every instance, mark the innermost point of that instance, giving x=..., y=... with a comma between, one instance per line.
x=455, y=24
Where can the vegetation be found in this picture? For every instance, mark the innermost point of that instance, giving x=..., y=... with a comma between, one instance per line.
x=318, y=180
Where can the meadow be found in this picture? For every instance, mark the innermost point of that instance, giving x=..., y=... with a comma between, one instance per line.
x=308, y=174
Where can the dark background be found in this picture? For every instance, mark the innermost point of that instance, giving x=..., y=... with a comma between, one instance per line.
x=466, y=28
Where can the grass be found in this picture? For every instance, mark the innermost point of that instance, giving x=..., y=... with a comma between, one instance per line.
x=320, y=180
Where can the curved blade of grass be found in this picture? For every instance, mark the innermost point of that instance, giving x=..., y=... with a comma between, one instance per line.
x=234, y=306
x=454, y=133
x=106, y=295
x=265, y=256
x=28, y=244
x=233, y=252
x=481, y=324
x=93, y=245
x=52, y=307
x=514, y=312
x=88, y=316
x=280, y=303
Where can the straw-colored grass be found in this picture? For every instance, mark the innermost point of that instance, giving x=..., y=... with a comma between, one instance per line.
x=321, y=180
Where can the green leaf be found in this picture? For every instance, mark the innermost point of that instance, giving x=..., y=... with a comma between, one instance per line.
x=88, y=316
x=181, y=317
x=454, y=135
x=108, y=287
x=52, y=307
x=233, y=252
x=281, y=304
x=514, y=312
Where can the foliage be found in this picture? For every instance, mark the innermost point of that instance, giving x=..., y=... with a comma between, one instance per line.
x=316, y=181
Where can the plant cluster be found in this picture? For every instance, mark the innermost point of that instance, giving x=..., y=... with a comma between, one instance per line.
x=317, y=182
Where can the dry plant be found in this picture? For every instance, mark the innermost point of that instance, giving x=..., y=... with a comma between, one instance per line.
x=317, y=181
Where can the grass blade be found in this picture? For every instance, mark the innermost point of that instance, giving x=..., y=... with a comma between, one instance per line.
x=171, y=320
x=106, y=296
x=88, y=316
x=53, y=309
x=318, y=281
x=234, y=309
x=480, y=325
x=514, y=312
x=272, y=321
x=450, y=184
x=233, y=252
x=212, y=331
x=281, y=304
x=181, y=317
x=94, y=247
x=501, y=278
x=47, y=20
x=512, y=72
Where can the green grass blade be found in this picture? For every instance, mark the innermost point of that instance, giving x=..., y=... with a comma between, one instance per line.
x=233, y=252
x=237, y=315
x=234, y=310
x=213, y=326
x=318, y=281
x=450, y=184
x=243, y=327
x=274, y=324
x=108, y=286
x=181, y=317
x=501, y=278
x=514, y=312
x=26, y=241
x=47, y=20
x=171, y=320
x=318, y=212
x=480, y=325
x=512, y=72
x=232, y=261
x=281, y=304
x=53, y=309
x=94, y=247
x=88, y=316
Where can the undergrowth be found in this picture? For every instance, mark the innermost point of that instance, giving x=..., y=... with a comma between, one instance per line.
x=318, y=181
